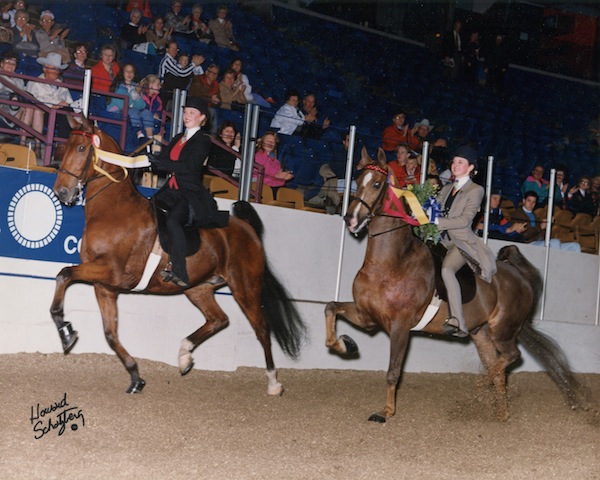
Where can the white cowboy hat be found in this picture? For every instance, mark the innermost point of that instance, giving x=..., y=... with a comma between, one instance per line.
x=424, y=123
x=53, y=60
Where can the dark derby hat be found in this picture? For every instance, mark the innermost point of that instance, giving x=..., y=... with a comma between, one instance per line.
x=467, y=153
x=197, y=103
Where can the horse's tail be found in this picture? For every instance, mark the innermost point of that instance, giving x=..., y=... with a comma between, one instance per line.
x=281, y=313
x=545, y=350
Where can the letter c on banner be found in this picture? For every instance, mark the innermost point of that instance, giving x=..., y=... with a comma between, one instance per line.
x=72, y=245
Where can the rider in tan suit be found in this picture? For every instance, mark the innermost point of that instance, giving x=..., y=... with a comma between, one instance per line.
x=460, y=201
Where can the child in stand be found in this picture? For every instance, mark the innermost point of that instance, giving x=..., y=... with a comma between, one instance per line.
x=150, y=87
x=125, y=84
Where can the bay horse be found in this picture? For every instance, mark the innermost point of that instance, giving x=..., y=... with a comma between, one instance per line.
x=119, y=235
x=396, y=282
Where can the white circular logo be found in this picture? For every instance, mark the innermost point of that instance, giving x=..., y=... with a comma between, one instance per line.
x=34, y=216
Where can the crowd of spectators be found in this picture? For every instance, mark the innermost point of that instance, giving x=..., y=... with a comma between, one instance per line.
x=227, y=87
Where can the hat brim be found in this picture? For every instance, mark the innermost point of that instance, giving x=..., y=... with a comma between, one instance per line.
x=46, y=63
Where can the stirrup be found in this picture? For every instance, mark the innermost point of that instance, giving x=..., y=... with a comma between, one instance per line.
x=167, y=273
x=452, y=327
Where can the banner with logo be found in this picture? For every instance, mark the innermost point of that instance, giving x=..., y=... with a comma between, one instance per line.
x=34, y=225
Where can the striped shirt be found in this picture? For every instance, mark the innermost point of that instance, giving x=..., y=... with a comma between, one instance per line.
x=169, y=65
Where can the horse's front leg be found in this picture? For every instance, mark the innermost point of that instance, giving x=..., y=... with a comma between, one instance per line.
x=86, y=272
x=107, y=301
x=344, y=345
x=399, y=337
x=68, y=336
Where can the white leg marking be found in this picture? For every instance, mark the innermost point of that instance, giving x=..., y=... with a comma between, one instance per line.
x=185, y=354
x=274, y=387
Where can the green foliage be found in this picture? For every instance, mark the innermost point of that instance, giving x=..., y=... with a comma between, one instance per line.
x=429, y=231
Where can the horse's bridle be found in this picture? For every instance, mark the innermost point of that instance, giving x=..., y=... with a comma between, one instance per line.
x=371, y=208
x=91, y=160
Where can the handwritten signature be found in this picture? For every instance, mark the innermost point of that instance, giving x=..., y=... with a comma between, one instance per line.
x=55, y=417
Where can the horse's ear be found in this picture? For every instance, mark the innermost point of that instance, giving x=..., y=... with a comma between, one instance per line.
x=365, y=158
x=73, y=122
x=381, y=158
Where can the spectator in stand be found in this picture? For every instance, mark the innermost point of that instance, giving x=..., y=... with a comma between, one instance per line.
x=51, y=38
x=496, y=64
x=500, y=227
x=472, y=61
x=289, y=119
x=223, y=159
x=24, y=40
x=334, y=172
x=150, y=87
x=52, y=96
x=158, y=35
x=538, y=184
x=222, y=29
x=421, y=133
x=410, y=174
x=173, y=74
x=242, y=79
x=594, y=132
x=206, y=86
x=266, y=155
x=595, y=193
x=399, y=163
x=232, y=96
x=10, y=9
x=312, y=128
x=396, y=133
x=105, y=70
x=9, y=63
x=579, y=198
x=562, y=186
x=125, y=84
x=75, y=72
x=176, y=20
x=142, y=5
x=452, y=51
x=535, y=229
x=198, y=28
x=134, y=32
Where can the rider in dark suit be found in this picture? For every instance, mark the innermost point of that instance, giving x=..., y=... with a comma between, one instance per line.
x=188, y=202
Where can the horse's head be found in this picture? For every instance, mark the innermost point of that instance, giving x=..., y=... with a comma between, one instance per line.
x=76, y=167
x=371, y=187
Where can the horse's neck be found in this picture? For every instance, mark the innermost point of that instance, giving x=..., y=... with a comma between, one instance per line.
x=389, y=237
x=105, y=195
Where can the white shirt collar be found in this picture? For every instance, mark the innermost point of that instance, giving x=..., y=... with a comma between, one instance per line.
x=189, y=133
x=460, y=182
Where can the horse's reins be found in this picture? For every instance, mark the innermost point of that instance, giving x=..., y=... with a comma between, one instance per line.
x=93, y=159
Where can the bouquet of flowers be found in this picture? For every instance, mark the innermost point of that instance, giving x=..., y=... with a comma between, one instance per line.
x=425, y=193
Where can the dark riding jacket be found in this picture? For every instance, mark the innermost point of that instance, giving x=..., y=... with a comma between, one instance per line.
x=188, y=172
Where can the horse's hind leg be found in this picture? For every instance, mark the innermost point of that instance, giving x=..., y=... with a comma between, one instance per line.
x=203, y=297
x=496, y=360
x=249, y=301
x=107, y=300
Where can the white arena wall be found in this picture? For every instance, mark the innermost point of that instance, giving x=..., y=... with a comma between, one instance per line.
x=303, y=249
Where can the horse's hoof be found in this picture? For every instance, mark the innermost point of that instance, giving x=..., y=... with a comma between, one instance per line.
x=349, y=344
x=187, y=369
x=68, y=337
x=376, y=417
x=136, y=386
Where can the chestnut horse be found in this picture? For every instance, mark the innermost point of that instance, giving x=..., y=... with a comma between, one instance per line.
x=394, y=287
x=119, y=235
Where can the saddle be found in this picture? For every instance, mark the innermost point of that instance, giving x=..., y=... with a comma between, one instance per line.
x=465, y=276
x=192, y=235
